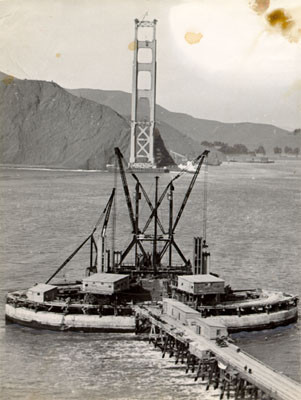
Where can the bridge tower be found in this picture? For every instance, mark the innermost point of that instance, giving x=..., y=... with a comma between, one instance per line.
x=143, y=95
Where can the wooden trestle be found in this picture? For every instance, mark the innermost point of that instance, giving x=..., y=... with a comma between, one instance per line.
x=230, y=370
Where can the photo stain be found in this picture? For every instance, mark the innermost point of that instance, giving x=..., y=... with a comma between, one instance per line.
x=193, y=38
x=8, y=79
x=283, y=22
x=259, y=6
x=280, y=18
x=58, y=55
x=132, y=46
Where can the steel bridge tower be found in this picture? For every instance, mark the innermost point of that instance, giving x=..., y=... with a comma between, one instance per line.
x=143, y=95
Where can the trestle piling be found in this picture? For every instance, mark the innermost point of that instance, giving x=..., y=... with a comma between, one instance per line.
x=219, y=364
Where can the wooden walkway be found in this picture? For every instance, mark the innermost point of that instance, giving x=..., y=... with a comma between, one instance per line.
x=234, y=372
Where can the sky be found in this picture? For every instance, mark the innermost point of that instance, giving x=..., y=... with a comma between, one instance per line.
x=225, y=60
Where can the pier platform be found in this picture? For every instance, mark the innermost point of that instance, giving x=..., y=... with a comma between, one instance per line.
x=212, y=358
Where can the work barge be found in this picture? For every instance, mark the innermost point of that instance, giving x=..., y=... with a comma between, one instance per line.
x=103, y=299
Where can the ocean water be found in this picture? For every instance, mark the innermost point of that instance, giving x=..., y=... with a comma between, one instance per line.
x=254, y=234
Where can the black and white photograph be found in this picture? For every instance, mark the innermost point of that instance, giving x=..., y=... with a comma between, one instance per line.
x=150, y=193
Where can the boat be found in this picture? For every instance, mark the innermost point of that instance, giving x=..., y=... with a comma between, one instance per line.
x=190, y=166
x=261, y=160
x=105, y=296
x=254, y=160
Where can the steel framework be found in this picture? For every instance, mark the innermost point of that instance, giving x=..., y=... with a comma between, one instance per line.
x=143, y=120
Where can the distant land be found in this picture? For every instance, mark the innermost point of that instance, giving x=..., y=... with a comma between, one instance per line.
x=46, y=125
x=252, y=135
x=43, y=124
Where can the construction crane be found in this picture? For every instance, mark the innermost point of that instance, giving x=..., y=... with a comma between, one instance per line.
x=134, y=221
x=200, y=160
x=139, y=237
x=125, y=187
x=166, y=236
x=93, y=245
x=101, y=248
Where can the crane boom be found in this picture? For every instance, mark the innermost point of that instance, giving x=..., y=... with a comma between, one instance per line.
x=107, y=213
x=186, y=197
x=68, y=259
x=100, y=248
x=125, y=187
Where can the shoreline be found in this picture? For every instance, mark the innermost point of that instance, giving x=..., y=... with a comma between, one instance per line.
x=62, y=169
x=47, y=168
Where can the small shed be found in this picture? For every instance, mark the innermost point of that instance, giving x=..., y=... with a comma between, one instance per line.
x=179, y=311
x=201, y=284
x=42, y=292
x=105, y=283
x=207, y=327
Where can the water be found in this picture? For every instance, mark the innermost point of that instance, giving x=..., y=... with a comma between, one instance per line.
x=254, y=235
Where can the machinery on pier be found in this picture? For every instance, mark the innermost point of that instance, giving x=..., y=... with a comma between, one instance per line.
x=145, y=244
x=103, y=299
x=150, y=262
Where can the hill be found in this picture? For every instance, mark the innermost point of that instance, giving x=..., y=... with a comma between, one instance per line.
x=250, y=134
x=43, y=124
x=174, y=139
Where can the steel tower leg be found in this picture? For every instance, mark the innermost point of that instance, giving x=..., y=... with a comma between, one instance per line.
x=143, y=95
